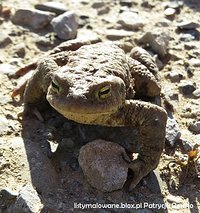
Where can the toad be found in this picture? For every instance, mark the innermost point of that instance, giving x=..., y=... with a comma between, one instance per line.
x=96, y=84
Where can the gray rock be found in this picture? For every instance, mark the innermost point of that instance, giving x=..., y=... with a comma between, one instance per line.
x=36, y=19
x=20, y=50
x=158, y=42
x=127, y=3
x=187, y=88
x=194, y=62
x=187, y=37
x=103, y=10
x=196, y=93
x=7, y=69
x=98, y=4
x=3, y=124
x=4, y=40
x=195, y=126
x=113, y=34
x=103, y=165
x=174, y=76
x=65, y=25
x=130, y=20
x=188, y=25
x=27, y=201
x=187, y=146
x=52, y=6
x=170, y=12
x=172, y=131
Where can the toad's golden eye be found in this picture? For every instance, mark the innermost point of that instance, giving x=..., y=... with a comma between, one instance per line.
x=104, y=92
x=55, y=87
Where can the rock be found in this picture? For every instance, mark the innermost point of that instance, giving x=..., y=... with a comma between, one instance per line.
x=127, y=3
x=117, y=34
x=103, y=165
x=174, y=199
x=103, y=10
x=194, y=62
x=27, y=201
x=19, y=49
x=7, y=69
x=195, y=126
x=65, y=25
x=170, y=12
x=172, y=131
x=52, y=6
x=187, y=146
x=3, y=124
x=68, y=142
x=188, y=25
x=7, y=197
x=159, y=43
x=196, y=93
x=175, y=76
x=4, y=40
x=187, y=88
x=36, y=19
x=130, y=20
x=187, y=37
x=98, y=4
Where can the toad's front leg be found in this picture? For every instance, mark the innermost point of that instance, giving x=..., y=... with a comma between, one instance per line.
x=150, y=120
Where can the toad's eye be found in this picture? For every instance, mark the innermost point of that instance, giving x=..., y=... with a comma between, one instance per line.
x=104, y=92
x=55, y=87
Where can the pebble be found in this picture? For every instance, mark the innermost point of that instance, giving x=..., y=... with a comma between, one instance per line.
x=174, y=76
x=20, y=50
x=98, y=4
x=103, y=165
x=113, y=34
x=7, y=69
x=194, y=126
x=52, y=6
x=158, y=42
x=194, y=62
x=187, y=37
x=36, y=19
x=4, y=40
x=65, y=25
x=172, y=131
x=127, y=3
x=130, y=20
x=187, y=146
x=188, y=25
x=103, y=10
x=196, y=93
x=170, y=12
x=187, y=88
x=3, y=124
x=27, y=201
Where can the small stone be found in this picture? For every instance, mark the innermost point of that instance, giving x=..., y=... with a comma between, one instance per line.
x=98, y=4
x=130, y=20
x=188, y=25
x=170, y=12
x=117, y=34
x=52, y=6
x=187, y=146
x=65, y=25
x=196, y=93
x=195, y=126
x=127, y=3
x=174, y=199
x=187, y=37
x=158, y=42
x=7, y=69
x=194, y=62
x=187, y=88
x=103, y=165
x=20, y=50
x=103, y=10
x=175, y=76
x=27, y=201
x=36, y=19
x=172, y=131
x=43, y=41
x=4, y=40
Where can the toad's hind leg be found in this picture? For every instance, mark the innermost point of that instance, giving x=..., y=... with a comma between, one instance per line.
x=145, y=73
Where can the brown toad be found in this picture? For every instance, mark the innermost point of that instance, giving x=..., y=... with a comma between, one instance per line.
x=96, y=84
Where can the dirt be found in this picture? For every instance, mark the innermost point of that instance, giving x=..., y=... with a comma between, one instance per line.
x=26, y=156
